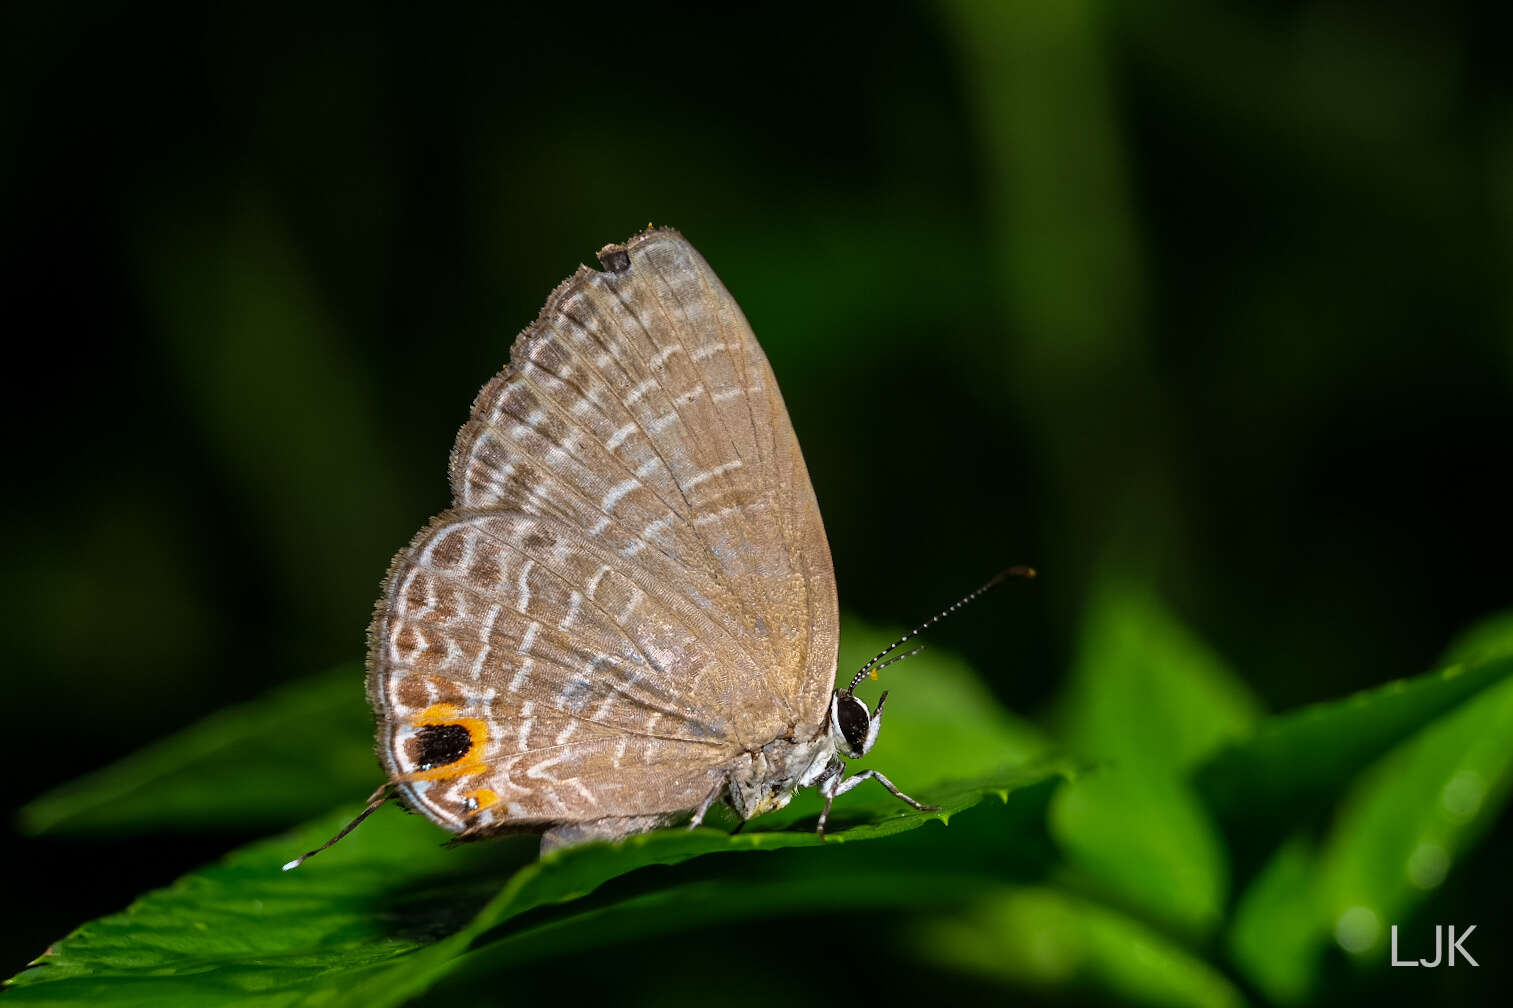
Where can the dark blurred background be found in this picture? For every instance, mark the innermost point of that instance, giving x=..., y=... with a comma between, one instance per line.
x=1215, y=293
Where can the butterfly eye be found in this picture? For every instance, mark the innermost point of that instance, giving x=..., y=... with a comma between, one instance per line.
x=851, y=714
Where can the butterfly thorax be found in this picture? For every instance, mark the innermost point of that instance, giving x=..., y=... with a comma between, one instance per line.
x=766, y=780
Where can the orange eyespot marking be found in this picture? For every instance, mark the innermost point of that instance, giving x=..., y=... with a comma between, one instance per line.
x=447, y=745
x=437, y=714
x=872, y=675
x=481, y=799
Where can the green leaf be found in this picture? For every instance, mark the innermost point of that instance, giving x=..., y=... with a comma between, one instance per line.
x=1400, y=827
x=1145, y=691
x=1144, y=840
x=388, y=910
x=1404, y=825
x=1277, y=928
x=1491, y=638
x=1147, y=700
x=381, y=916
x=790, y=886
x=918, y=870
x=1300, y=760
x=278, y=760
x=1048, y=939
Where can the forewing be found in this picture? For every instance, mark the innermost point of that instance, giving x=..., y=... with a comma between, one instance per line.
x=640, y=411
x=524, y=673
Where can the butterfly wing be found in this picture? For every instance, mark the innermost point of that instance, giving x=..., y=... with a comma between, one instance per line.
x=531, y=675
x=635, y=537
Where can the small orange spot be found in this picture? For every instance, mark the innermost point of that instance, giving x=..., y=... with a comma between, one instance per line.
x=478, y=735
x=482, y=798
x=441, y=713
x=872, y=675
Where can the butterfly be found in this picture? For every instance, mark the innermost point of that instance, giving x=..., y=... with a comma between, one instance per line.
x=629, y=611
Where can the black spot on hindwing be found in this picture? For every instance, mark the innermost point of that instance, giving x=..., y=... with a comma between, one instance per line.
x=441, y=744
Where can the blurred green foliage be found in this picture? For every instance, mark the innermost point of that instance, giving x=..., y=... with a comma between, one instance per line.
x=1130, y=875
x=370, y=923
x=1200, y=307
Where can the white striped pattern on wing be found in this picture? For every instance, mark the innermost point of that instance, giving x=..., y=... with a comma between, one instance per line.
x=633, y=588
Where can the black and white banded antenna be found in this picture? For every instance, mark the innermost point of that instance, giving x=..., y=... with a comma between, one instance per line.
x=872, y=667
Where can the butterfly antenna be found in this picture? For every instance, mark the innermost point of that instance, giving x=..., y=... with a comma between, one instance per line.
x=873, y=666
x=896, y=659
x=378, y=798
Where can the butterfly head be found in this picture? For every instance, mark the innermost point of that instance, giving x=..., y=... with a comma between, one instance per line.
x=853, y=728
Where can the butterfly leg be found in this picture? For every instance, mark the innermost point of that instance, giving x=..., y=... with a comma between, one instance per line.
x=833, y=786
x=829, y=785
x=892, y=789
x=709, y=799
